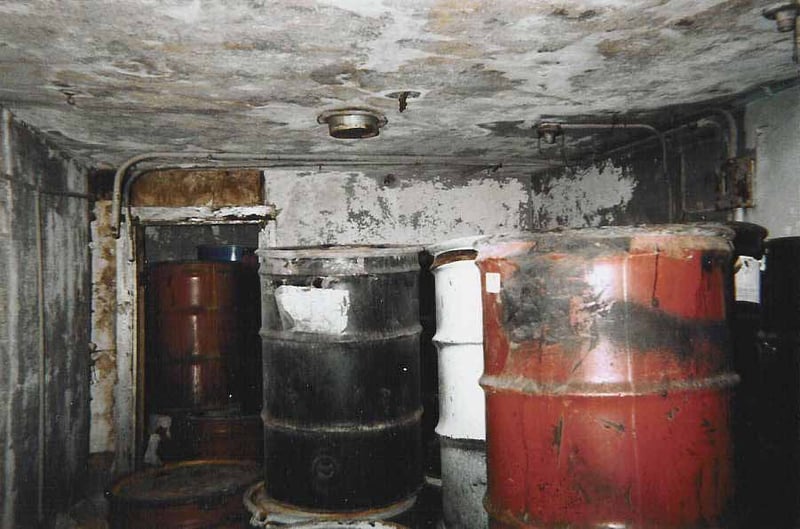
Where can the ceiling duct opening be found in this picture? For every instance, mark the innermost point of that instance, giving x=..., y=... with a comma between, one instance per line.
x=352, y=123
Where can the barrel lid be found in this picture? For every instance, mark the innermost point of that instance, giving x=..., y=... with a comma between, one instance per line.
x=749, y=238
x=454, y=250
x=460, y=243
x=185, y=482
x=661, y=237
x=453, y=256
x=349, y=259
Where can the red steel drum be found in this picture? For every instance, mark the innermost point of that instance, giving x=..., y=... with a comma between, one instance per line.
x=194, y=335
x=607, y=377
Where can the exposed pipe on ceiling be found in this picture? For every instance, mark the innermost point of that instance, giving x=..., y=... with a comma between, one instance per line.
x=733, y=131
x=550, y=130
x=554, y=129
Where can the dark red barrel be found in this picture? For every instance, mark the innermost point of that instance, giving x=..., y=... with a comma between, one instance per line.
x=227, y=436
x=250, y=385
x=607, y=378
x=193, y=335
x=190, y=495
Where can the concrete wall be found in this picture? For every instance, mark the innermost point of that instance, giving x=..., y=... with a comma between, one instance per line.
x=401, y=205
x=44, y=377
x=772, y=128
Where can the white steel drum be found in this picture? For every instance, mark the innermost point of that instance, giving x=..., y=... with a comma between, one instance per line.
x=462, y=421
x=459, y=341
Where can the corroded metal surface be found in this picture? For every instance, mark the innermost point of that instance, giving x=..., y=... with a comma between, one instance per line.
x=237, y=437
x=607, y=377
x=250, y=379
x=191, y=495
x=341, y=373
x=212, y=187
x=213, y=435
x=195, y=335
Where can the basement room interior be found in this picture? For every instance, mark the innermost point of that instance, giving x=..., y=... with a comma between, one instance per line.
x=426, y=264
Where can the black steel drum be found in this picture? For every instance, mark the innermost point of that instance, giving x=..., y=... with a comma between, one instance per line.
x=342, y=402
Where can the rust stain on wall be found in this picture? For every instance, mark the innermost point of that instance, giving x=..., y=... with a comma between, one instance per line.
x=212, y=187
x=103, y=322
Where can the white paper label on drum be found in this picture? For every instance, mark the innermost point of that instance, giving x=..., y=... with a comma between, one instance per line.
x=747, y=280
x=492, y=282
x=317, y=310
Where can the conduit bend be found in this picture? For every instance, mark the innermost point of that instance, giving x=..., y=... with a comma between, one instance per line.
x=206, y=159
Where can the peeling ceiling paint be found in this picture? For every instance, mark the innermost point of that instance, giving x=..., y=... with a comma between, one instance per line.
x=111, y=79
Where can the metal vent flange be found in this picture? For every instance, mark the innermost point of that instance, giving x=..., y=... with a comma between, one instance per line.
x=352, y=123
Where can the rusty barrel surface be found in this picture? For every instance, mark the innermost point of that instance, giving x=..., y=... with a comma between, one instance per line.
x=194, y=335
x=607, y=377
x=341, y=373
x=227, y=436
x=249, y=358
x=190, y=495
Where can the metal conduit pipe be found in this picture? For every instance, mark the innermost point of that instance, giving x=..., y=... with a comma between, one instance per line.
x=624, y=126
x=733, y=131
x=733, y=149
x=700, y=123
x=212, y=159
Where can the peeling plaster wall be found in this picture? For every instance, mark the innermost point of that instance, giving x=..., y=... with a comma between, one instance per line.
x=591, y=196
x=397, y=205
x=28, y=164
x=772, y=128
x=630, y=188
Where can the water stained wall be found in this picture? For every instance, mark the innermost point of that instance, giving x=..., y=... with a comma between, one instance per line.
x=401, y=205
x=44, y=327
x=104, y=355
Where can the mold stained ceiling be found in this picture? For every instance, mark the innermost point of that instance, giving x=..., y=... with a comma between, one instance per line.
x=108, y=79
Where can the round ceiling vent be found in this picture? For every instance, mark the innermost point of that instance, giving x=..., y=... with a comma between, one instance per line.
x=352, y=123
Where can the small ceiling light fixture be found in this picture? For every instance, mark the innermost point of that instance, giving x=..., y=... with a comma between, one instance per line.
x=352, y=123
